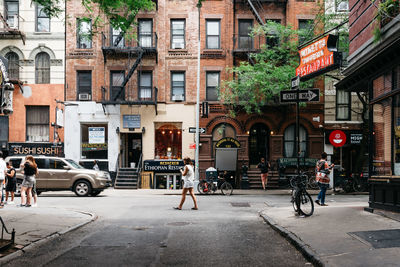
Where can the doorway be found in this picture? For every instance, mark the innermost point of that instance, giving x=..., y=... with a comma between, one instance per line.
x=258, y=143
x=132, y=149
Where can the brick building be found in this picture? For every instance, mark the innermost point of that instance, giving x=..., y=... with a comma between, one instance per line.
x=148, y=119
x=374, y=67
x=33, y=43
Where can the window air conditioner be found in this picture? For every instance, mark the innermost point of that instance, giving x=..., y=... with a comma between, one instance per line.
x=177, y=97
x=13, y=22
x=343, y=6
x=84, y=97
x=177, y=45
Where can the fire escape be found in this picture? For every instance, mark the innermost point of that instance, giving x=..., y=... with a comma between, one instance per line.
x=10, y=29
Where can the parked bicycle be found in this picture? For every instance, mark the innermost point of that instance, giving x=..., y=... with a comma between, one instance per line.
x=210, y=186
x=301, y=199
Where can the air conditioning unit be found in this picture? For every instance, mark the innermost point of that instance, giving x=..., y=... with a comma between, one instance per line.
x=178, y=45
x=84, y=97
x=12, y=22
x=177, y=97
x=343, y=6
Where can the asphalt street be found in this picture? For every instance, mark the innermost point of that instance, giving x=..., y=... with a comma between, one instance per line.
x=141, y=228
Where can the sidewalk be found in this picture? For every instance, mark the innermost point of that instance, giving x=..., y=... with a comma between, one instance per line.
x=339, y=234
x=41, y=223
x=253, y=192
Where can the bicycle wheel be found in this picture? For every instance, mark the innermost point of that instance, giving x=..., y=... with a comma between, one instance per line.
x=312, y=182
x=293, y=200
x=292, y=181
x=305, y=203
x=226, y=189
x=202, y=187
x=359, y=186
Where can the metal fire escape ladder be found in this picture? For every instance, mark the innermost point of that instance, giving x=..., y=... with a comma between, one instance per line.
x=254, y=11
x=11, y=30
x=130, y=73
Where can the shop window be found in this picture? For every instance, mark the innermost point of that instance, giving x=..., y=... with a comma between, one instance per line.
x=245, y=40
x=42, y=67
x=382, y=136
x=177, y=86
x=84, y=33
x=290, y=141
x=37, y=124
x=272, y=38
x=213, y=38
x=13, y=65
x=145, y=85
x=168, y=142
x=42, y=19
x=94, y=141
x=221, y=131
x=178, y=34
x=212, y=85
x=343, y=105
x=306, y=30
x=114, y=35
x=145, y=33
x=117, y=77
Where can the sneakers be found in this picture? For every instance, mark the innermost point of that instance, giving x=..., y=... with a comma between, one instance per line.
x=21, y=205
x=28, y=206
x=34, y=205
x=11, y=203
x=317, y=201
x=324, y=204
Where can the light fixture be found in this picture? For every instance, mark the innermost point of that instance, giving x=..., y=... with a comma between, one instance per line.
x=143, y=130
x=272, y=132
x=248, y=132
x=163, y=132
x=117, y=130
x=179, y=132
x=170, y=132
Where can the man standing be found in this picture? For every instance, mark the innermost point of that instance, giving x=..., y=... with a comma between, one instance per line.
x=264, y=166
x=3, y=170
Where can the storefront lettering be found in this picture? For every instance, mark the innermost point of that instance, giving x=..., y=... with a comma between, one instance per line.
x=163, y=166
x=35, y=149
x=228, y=142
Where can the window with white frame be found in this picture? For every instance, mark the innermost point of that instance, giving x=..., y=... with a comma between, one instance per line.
x=290, y=141
x=145, y=85
x=84, y=33
x=114, y=35
x=145, y=33
x=12, y=13
x=178, y=34
x=42, y=67
x=37, y=124
x=213, y=38
x=177, y=86
x=212, y=81
x=343, y=105
x=42, y=19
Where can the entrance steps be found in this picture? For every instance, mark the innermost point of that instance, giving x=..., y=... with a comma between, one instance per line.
x=254, y=175
x=127, y=178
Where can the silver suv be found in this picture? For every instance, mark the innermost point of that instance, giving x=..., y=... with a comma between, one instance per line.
x=57, y=174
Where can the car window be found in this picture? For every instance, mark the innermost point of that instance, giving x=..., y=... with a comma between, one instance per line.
x=56, y=164
x=41, y=163
x=15, y=162
x=74, y=164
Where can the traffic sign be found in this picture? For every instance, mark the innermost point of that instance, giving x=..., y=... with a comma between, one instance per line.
x=295, y=83
x=308, y=95
x=193, y=130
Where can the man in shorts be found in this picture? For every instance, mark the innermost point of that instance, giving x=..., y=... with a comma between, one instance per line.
x=11, y=187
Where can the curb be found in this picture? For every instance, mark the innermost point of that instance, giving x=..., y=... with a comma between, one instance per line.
x=305, y=249
x=39, y=242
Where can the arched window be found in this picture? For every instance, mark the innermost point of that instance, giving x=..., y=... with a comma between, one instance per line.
x=42, y=67
x=290, y=141
x=13, y=65
x=221, y=131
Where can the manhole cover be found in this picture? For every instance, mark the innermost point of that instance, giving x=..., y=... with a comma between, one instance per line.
x=240, y=204
x=178, y=223
x=381, y=238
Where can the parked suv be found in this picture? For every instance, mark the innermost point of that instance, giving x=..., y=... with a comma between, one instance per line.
x=57, y=174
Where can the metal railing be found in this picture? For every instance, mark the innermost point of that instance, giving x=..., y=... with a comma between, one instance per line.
x=4, y=228
x=145, y=40
x=243, y=43
x=131, y=95
x=139, y=170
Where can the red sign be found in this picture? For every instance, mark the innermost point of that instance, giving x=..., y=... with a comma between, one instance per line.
x=317, y=58
x=192, y=146
x=337, y=138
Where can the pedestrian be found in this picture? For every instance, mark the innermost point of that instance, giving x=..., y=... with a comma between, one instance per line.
x=322, y=177
x=95, y=165
x=188, y=185
x=30, y=170
x=11, y=187
x=3, y=170
x=264, y=166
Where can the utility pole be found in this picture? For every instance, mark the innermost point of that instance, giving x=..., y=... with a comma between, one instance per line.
x=197, y=174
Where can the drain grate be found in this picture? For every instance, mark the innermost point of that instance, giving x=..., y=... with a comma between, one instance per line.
x=240, y=204
x=178, y=223
x=381, y=238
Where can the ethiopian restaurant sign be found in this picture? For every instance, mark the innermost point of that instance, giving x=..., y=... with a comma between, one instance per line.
x=318, y=57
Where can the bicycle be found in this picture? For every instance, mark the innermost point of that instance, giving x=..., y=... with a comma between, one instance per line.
x=207, y=187
x=311, y=180
x=301, y=199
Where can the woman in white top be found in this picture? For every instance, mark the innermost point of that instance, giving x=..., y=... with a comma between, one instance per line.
x=188, y=180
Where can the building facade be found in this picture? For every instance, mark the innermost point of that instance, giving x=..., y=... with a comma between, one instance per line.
x=374, y=68
x=34, y=45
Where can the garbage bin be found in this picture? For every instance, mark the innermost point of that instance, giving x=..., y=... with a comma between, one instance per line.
x=244, y=184
x=211, y=174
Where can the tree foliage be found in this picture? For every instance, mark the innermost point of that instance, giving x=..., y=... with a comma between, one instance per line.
x=255, y=83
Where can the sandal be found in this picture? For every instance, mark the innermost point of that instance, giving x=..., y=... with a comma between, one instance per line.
x=177, y=208
x=194, y=208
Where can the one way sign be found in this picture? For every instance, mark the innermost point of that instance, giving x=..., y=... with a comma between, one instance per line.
x=193, y=130
x=309, y=95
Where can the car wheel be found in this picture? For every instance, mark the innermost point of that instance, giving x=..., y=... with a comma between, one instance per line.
x=82, y=188
x=95, y=193
x=18, y=188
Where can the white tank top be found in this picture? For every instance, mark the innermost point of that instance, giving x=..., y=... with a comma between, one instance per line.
x=190, y=174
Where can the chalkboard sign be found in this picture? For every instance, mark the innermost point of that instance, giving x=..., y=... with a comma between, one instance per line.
x=131, y=121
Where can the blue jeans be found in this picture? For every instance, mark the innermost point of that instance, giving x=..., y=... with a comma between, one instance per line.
x=321, y=195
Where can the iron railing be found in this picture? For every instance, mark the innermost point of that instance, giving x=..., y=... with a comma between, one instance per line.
x=4, y=229
x=145, y=40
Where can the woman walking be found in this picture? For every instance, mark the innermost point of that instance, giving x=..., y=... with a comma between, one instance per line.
x=323, y=169
x=264, y=166
x=30, y=170
x=188, y=178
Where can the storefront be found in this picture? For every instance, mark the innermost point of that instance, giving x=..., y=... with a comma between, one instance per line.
x=45, y=149
x=165, y=174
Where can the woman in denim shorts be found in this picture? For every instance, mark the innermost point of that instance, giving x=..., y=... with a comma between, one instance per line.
x=30, y=170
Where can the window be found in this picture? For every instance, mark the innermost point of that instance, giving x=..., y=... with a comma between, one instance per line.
x=145, y=85
x=168, y=140
x=42, y=67
x=245, y=41
x=13, y=65
x=42, y=19
x=145, y=33
x=212, y=86
x=177, y=86
x=272, y=38
x=213, y=34
x=94, y=141
x=221, y=131
x=41, y=163
x=37, y=124
x=84, y=33
x=56, y=164
x=290, y=141
x=12, y=11
x=178, y=34
x=343, y=105
x=306, y=28
x=84, y=82
x=114, y=35
x=117, y=78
